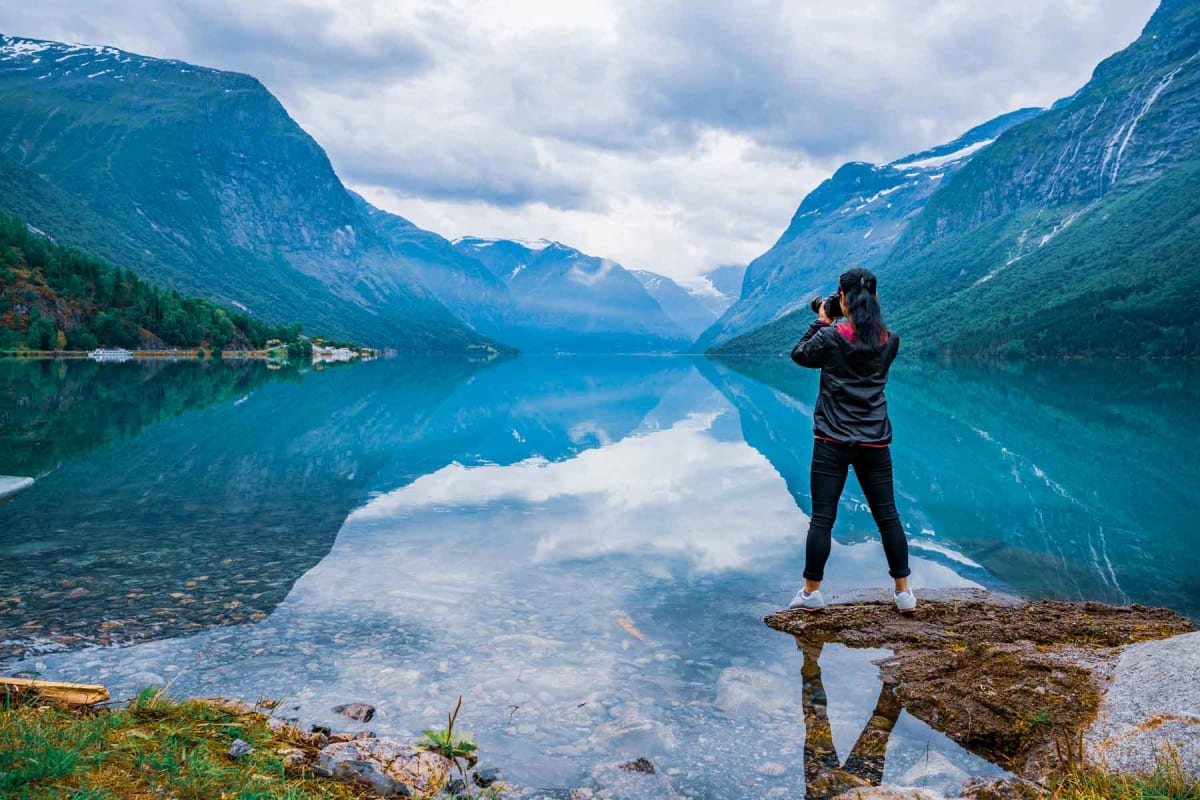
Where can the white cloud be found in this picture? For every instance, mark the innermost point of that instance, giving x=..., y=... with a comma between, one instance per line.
x=676, y=490
x=667, y=135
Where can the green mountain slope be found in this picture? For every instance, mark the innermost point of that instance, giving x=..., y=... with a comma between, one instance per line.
x=56, y=298
x=854, y=218
x=462, y=284
x=1076, y=233
x=199, y=180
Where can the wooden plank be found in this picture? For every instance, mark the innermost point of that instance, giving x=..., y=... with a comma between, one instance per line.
x=76, y=694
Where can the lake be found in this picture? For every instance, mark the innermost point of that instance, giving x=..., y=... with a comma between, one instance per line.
x=583, y=548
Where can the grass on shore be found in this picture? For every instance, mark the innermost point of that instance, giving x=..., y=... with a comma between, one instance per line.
x=157, y=748
x=153, y=748
x=1169, y=782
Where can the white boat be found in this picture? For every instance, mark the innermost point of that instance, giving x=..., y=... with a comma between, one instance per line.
x=110, y=354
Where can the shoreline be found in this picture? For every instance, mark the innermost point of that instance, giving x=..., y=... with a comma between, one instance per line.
x=146, y=355
x=1035, y=686
x=153, y=745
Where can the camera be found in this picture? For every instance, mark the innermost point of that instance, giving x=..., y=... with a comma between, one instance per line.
x=831, y=304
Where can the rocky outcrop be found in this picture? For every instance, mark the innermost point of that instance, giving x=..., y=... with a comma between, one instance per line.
x=1001, y=789
x=1014, y=681
x=392, y=768
x=889, y=793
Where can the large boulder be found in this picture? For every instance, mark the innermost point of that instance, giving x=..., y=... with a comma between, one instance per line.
x=1152, y=705
x=392, y=768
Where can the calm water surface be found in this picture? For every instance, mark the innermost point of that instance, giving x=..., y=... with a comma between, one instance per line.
x=583, y=548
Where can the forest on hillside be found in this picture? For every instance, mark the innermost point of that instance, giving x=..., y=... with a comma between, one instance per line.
x=58, y=298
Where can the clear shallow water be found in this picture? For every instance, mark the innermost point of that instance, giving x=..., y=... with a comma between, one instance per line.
x=583, y=548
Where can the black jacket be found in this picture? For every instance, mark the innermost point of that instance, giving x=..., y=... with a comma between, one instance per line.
x=851, y=407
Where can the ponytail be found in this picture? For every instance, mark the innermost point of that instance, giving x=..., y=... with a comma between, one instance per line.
x=866, y=317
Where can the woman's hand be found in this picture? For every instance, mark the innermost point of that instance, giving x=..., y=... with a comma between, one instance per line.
x=821, y=318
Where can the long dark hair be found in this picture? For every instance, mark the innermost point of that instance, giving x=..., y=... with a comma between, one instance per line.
x=858, y=285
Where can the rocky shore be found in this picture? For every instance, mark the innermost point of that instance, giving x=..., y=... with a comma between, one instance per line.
x=1049, y=691
x=1040, y=688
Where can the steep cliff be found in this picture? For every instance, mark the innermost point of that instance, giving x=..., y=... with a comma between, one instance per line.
x=198, y=179
x=1074, y=233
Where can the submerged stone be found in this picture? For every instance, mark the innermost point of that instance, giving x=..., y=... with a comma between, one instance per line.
x=639, y=765
x=359, y=712
x=631, y=781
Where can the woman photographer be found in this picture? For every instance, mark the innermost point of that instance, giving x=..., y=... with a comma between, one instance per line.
x=851, y=426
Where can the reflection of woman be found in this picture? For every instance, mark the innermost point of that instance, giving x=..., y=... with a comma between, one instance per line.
x=824, y=775
x=851, y=426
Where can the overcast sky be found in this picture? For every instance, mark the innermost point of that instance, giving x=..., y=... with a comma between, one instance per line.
x=671, y=135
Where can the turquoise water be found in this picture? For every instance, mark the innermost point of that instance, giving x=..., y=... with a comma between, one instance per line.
x=583, y=548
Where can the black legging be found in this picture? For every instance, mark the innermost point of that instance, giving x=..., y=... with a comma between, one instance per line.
x=873, y=468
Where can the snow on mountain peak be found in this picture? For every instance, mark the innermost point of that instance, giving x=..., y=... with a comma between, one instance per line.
x=938, y=161
x=479, y=242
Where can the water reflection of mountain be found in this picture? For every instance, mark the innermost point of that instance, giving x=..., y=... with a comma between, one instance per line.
x=206, y=518
x=209, y=518
x=1062, y=480
x=554, y=408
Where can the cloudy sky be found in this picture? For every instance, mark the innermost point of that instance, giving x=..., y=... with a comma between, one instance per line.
x=671, y=135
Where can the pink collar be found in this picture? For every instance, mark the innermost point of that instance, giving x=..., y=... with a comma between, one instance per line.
x=847, y=330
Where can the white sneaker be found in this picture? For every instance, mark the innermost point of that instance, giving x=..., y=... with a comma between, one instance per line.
x=906, y=601
x=808, y=601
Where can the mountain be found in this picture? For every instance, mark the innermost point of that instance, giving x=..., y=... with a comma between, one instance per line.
x=685, y=309
x=726, y=283
x=1075, y=233
x=853, y=218
x=464, y=285
x=199, y=180
x=566, y=301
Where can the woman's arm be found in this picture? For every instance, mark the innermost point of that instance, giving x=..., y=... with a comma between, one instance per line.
x=812, y=350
